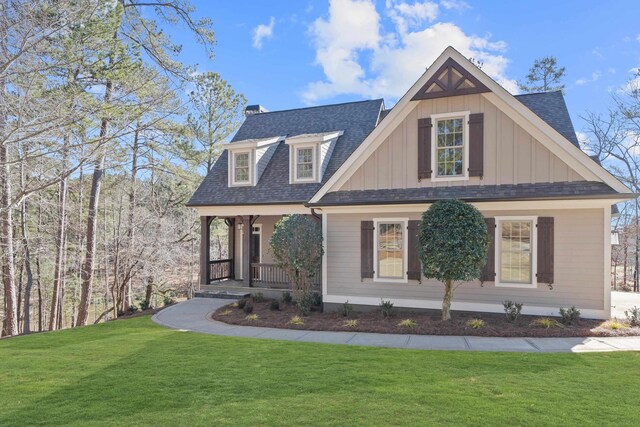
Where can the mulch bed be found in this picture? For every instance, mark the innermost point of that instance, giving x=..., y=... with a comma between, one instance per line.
x=427, y=323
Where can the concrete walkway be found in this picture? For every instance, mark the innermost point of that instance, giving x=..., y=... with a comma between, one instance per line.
x=194, y=315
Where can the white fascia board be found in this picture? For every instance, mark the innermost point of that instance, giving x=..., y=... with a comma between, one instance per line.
x=315, y=138
x=240, y=210
x=253, y=143
x=551, y=138
x=523, y=205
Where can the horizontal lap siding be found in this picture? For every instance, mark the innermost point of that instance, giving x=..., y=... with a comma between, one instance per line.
x=579, y=264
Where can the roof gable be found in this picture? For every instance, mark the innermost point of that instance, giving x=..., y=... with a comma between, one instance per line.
x=502, y=99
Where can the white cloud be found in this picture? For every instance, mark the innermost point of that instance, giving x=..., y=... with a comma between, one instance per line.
x=263, y=31
x=584, y=80
x=455, y=4
x=638, y=38
x=360, y=57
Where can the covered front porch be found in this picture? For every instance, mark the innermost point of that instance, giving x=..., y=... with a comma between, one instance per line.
x=235, y=253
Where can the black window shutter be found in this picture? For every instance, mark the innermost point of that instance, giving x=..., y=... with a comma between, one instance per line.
x=476, y=144
x=366, y=249
x=545, y=250
x=424, y=148
x=489, y=270
x=413, y=263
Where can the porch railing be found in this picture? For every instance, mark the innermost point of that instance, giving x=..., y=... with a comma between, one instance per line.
x=270, y=275
x=220, y=269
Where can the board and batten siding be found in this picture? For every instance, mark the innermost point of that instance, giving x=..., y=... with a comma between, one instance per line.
x=579, y=266
x=511, y=155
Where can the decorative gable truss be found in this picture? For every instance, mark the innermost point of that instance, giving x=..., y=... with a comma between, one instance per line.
x=450, y=79
x=309, y=155
x=248, y=159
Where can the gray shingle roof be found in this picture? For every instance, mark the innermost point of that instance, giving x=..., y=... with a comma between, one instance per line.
x=471, y=193
x=356, y=119
x=551, y=108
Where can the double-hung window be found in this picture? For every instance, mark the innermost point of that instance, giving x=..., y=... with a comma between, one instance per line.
x=516, y=252
x=241, y=168
x=450, y=147
x=390, y=255
x=304, y=163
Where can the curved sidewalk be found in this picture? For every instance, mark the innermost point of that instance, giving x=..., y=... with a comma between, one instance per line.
x=193, y=315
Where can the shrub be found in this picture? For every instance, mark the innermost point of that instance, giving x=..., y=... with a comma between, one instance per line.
x=615, y=324
x=252, y=317
x=234, y=305
x=168, y=299
x=248, y=308
x=132, y=309
x=453, y=242
x=145, y=305
x=569, y=315
x=546, y=323
x=287, y=298
x=258, y=297
x=317, y=299
x=305, y=304
x=633, y=316
x=296, y=245
x=241, y=303
x=225, y=313
x=274, y=306
x=512, y=310
x=476, y=323
x=386, y=307
x=296, y=320
x=351, y=323
x=408, y=323
x=345, y=309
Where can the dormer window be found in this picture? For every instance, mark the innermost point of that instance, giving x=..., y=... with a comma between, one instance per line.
x=241, y=168
x=249, y=158
x=305, y=163
x=309, y=155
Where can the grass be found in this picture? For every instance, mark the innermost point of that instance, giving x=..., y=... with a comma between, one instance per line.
x=134, y=372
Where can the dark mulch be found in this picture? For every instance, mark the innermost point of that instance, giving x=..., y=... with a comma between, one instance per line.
x=428, y=323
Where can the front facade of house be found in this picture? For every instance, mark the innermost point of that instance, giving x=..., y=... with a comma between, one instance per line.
x=368, y=174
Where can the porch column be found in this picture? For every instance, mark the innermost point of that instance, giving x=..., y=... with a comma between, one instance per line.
x=246, y=250
x=231, y=237
x=205, y=240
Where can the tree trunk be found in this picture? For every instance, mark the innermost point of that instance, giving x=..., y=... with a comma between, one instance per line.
x=149, y=292
x=10, y=322
x=60, y=239
x=27, y=264
x=92, y=220
x=446, y=302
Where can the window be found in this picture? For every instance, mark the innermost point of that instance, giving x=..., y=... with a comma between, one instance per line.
x=450, y=149
x=516, y=252
x=304, y=163
x=390, y=253
x=241, y=168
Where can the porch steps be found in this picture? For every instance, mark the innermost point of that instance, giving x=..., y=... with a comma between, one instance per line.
x=222, y=294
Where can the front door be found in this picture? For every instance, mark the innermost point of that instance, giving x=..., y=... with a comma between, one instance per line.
x=256, y=250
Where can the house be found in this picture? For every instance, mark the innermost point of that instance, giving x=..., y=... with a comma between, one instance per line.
x=368, y=173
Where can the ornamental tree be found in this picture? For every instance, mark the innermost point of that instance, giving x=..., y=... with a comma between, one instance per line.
x=453, y=245
x=296, y=245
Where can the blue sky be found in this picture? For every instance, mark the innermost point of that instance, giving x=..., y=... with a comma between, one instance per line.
x=289, y=54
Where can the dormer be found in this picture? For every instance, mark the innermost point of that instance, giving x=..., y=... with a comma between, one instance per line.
x=309, y=155
x=248, y=160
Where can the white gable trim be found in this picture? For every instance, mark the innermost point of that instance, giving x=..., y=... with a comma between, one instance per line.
x=500, y=97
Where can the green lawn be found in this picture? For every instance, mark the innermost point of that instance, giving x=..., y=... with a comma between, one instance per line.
x=137, y=373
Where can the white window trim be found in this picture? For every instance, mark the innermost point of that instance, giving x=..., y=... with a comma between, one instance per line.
x=534, y=252
x=405, y=260
x=434, y=146
x=294, y=170
x=232, y=170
